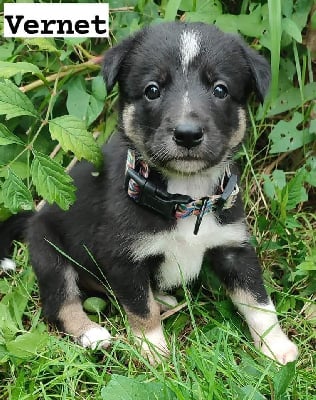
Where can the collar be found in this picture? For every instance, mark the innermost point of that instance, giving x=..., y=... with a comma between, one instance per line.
x=145, y=193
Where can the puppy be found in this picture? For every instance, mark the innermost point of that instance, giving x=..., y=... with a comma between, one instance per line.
x=167, y=197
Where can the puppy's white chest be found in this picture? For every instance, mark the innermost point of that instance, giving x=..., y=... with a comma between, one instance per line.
x=183, y=251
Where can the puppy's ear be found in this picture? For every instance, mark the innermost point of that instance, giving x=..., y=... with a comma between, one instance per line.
x=113, y=60
x=260, y=70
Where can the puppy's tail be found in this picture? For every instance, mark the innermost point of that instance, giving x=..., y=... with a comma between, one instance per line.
x=11, y=229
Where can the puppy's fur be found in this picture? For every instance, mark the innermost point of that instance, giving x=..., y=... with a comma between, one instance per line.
x=172, y=78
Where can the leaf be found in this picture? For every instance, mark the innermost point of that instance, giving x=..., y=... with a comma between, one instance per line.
x=286, y=137
x=73, y=135
x=6, y=137
x=94, y=109
x=227, y=22
x=94, y=304
x=47, y=44
x=78, y=99
x=27, y=345
x=13, y=102
x=8, y=327
x=8, y=69
x=283, y=378
x=289, y=100
x=296, y=190
x=15, y=194
x=172, y=10
x=51, y=181
x=85, y=106
x=98, y=88
x=123, y=388
x=292, y=29
x=249, y=392
x=309, y=264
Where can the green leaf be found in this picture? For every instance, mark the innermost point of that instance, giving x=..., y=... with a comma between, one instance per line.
x=313, y=20
x=289, y=100
x=27, y=345
x=206, y=11
x=15, y=194
x=94, y=305
x=98, y=88
x=78, y=99
x=283, y=378
x=6, y=137
x=51, y=181
x=8, y=69
x=286, y=137
x=210, y=7
x=249, y=392
x=296, y=190
x=310, y=262
x=227, y=22
x=72, y=135
x=123, y=388
x=13, y=102
x=8, y=327
x=85, y=106
x=292, y=29
x=172, y=10
x=46, y=44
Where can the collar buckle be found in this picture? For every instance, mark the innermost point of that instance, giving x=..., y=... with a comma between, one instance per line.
x=229, y=194
x=154, y=198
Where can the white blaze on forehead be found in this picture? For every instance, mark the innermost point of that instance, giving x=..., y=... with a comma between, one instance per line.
x=189, y=47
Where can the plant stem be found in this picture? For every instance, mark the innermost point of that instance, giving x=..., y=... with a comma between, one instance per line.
x=64, y=71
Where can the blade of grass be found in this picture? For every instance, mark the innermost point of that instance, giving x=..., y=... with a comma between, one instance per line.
x=275, y=22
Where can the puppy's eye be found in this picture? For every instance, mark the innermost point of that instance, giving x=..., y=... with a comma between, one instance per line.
x=152, y=91
x=220, y=91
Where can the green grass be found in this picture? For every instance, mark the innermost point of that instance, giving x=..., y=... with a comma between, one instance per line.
x=211, y=352
x=212, y=356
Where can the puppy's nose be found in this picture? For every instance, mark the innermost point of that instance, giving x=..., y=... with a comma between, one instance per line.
x=188, y=135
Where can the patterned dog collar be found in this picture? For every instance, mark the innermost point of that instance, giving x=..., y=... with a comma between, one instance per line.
x=142, y=191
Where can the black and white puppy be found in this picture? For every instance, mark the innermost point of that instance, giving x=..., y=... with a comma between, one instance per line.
x=143, y=226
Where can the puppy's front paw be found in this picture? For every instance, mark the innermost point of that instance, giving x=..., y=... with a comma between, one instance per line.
x=154, y=346
x=95, y=338
x=280, y=348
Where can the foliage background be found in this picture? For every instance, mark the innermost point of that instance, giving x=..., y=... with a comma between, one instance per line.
x=54, y=110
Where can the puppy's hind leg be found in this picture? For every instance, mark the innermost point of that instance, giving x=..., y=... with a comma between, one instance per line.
x=75, y=321
x=62, y=305
x=239, y=270
x=60, y=294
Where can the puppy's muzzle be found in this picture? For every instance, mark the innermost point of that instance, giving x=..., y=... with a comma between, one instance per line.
x=188, y=135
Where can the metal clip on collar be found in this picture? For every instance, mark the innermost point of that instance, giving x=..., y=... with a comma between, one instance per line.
x=228, y=191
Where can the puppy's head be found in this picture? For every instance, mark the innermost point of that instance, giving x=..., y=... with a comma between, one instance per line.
x=183, y=91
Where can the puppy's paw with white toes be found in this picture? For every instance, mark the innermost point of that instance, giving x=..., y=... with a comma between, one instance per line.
x=95, y=338
x=280, y=349
x=153, y=346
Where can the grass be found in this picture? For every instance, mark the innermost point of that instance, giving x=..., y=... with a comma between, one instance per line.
x=212, y=356
x=211, y=352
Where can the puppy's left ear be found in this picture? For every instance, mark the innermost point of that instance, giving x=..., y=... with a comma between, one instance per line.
x=260, y=70
x=113, y=60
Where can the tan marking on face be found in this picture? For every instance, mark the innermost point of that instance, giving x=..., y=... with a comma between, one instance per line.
x=239, y=134
x=130, y=130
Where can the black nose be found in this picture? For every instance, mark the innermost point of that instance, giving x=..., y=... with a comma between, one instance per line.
x=188, y=135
